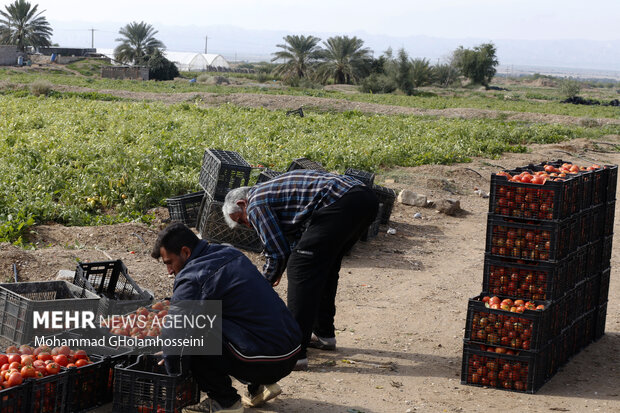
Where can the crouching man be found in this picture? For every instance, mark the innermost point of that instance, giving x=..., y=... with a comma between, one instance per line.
x=260, y=338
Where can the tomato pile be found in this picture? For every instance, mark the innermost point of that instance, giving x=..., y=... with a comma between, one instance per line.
x=497, y=372
x=531, y=244
x=142, y=323
x=26, y=362
x=550, y=173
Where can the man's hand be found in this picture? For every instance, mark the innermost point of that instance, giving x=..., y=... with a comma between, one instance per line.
x=275, y=282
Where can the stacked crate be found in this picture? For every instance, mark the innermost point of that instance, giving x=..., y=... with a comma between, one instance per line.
x=549, y=244
x=222, y=171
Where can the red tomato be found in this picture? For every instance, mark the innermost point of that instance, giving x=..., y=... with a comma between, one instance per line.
x=15, y=358
x=52, y=368
x=61, y=359
x=70, y=365
x=27, y=360
x=80, y=354
x=15, y=365
x=81, y=362
x=3, y=359
x=15, y=379
x=44, y=356
x=28, y=371
x=11, y=350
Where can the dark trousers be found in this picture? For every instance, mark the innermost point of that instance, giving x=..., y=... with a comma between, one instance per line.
x=315, y=261
x=213, y=373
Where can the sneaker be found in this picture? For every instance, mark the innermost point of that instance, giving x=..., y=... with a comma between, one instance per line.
x=301, y=365
x=264, y=393
x=212, y=406
x=323, y=343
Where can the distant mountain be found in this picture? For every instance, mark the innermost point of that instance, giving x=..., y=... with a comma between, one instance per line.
x=237, y=44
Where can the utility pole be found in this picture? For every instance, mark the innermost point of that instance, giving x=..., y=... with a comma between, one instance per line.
x=206, y=40
x=92, y=38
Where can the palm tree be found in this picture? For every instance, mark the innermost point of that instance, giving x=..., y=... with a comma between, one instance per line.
x=138, y=41
x=22, y=26
x=346, y=60
x=300, y=54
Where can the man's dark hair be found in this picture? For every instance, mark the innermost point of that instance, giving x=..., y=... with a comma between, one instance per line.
x=174, y=237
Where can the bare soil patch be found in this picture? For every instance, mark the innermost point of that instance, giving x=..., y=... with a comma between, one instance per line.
x=402, y=302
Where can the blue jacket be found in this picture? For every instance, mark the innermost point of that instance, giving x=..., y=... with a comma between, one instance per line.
x=255, y=320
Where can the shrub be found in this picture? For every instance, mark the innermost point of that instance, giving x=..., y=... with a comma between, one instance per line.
x=378, y=83
x=570, y=88
x=40, y=87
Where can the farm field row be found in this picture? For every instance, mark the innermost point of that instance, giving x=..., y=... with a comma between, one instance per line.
x=536, y=100
x=79, y=161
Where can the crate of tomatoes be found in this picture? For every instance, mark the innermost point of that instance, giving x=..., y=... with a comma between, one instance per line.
x=513, y=324
x=145, y=386
x=13, y=396
x=526, y=195
x=496, y=367
x=528, y=240
x=38, y=370
x=515, y=278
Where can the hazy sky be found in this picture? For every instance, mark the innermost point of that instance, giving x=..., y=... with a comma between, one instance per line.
x=489, y=19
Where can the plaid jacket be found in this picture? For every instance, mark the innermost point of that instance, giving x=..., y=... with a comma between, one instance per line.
x=278, y=209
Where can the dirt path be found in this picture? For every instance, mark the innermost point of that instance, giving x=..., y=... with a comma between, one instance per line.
x=286, y=102
x=402, y=304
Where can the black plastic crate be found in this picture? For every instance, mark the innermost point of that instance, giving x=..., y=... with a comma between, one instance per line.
x=594, y=257
x=87, y=385
x=49, y=394
x=587, y=188
x=609, y=217
x=213, y=228
x=598, y=222
x=19, y=301
x=373, y=229
x=530, y=330
x=112, y=357
x=528, y=240
x=553, y=200
x=267, y=175
x=367, y=178
x=606, y=253
x=537, y=281
x=15, y=399
x=586, y=227
x=184, y=208
x=146, y=385
x=592, y=288
x=600, y=319
x=579, y=299
x=524, y=372
x=603, y=284
x=222, y=171
x=110, y=280
x=305, y=163
x=611, y=182
x=386, y=196
x=583, y=331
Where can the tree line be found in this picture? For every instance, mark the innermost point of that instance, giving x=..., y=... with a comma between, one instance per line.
x=299, y=59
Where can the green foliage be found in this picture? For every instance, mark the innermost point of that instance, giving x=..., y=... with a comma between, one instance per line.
x=21, y=25
x=403, y=78
x=300, y=55
x=345, y=60
x=378, y=83
x=12, y=229
x=421, y=72
x=478, y=64
x=78, y=162
x=445, y=74
x=137, y=42
x=570, y=88
x=160, y=68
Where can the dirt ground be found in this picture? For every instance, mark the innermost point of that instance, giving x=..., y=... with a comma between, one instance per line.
x=402, y=302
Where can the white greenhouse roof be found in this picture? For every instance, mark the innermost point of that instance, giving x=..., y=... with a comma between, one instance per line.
x=186, y=61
